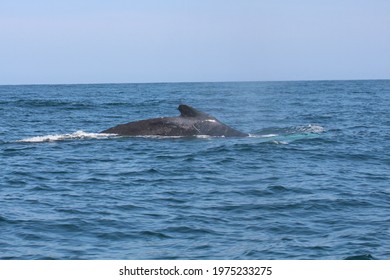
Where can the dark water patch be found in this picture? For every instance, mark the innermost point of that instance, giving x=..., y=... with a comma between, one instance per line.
x=4, y=220
x=70, y=211
x=188, y=231
x=33, y=237
x=40, y=188
x=278, y=189
x=361, y=257
x=118, y=235
x=154, y=234
x=44, y=103
x=356, y=156
x=255, y=192
x=16, y=149
x=245, y=208
x=351, y=203
x=73, y=227
x=130, y=207
x=318, y=205
x=255, y=254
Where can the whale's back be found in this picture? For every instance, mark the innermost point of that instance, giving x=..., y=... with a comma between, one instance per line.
x=191, y=122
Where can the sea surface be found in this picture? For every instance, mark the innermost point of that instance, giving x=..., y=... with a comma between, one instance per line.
x=311, y=182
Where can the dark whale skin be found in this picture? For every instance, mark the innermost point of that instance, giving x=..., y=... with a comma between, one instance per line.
x=191, y=122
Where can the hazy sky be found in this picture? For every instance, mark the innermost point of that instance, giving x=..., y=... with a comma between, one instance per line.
x=85, y=41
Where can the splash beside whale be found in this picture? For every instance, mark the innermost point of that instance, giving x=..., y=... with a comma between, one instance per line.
x=191, y=122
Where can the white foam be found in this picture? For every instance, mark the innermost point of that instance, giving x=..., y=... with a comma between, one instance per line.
x=279, y=142
x=69, y=136
x=262, y=135
x=206, y=136
x=311, y=129
x=269, y=135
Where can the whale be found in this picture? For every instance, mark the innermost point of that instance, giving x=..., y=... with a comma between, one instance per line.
x=190, y=122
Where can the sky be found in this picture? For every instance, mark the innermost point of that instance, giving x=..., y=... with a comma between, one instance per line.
x=141, y=41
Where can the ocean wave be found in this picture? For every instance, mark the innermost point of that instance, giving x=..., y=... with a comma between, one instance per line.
x=68, y=136
x=286, y=135
x=44, y=103
x=310, y=129
x=262, y=135
x=277, y=131
x=81, y=135
x=269, y=136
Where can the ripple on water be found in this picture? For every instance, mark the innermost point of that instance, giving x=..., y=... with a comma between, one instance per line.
x=309, y=182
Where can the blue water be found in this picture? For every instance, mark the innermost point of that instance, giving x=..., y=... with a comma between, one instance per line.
x=312, y=181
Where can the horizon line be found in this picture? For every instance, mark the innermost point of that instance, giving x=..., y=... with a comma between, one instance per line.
x=193, y=82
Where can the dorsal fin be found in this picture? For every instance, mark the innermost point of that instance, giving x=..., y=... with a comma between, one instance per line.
x=189, y=112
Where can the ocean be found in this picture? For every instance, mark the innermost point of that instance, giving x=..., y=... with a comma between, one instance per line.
x=311, y=182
